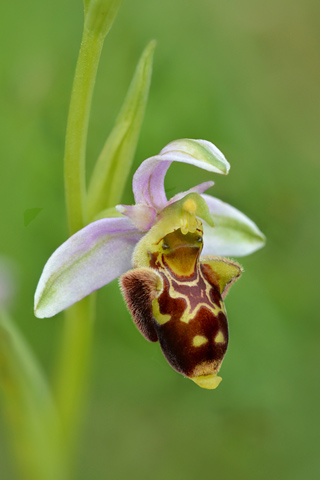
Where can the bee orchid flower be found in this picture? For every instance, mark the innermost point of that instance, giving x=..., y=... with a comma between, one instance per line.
x=174, y=294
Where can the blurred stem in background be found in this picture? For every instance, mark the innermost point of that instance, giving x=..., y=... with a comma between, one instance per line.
x=29, y=407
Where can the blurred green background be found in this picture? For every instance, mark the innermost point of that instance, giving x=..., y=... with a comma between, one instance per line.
x=244, y=75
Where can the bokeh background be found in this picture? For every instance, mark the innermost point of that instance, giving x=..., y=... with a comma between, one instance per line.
x=244, y=75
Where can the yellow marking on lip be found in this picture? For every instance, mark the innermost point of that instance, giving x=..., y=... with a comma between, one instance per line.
x=174, y=293
x=219, y=338
x=216, y=307
x=160, y=317
x=188, y=313
x=190, y=283
x=199, y=340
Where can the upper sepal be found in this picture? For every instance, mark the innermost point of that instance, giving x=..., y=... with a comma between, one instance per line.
x=148, y=181
x=200, y=153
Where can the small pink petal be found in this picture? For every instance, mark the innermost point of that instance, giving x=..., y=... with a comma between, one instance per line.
x=141, y=215
x=197, y=189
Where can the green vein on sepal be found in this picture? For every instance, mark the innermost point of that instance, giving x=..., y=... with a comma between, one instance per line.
x=113, y=165
x=233, y=225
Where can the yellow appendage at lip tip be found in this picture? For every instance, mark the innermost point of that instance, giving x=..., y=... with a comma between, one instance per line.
x=207, y=381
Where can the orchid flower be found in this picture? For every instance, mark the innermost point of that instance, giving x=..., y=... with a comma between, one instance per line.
x=174, y=295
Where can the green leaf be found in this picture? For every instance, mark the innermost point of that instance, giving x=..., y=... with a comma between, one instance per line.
x=29, y=407
x=113, y=166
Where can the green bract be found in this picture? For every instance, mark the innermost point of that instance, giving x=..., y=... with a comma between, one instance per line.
x=100, y=14
x=113, y=166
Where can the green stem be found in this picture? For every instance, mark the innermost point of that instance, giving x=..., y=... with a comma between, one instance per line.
x=73, y=365
x=77, y=335
x=77, y=129
x=78, y=329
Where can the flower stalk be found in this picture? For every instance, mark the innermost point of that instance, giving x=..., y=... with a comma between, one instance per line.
x=72, y=367
x=77, y=129
x=77, y=335
x=99, y=16
x=72, y=363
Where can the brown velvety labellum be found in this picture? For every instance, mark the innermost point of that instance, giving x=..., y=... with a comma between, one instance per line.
x=178, y=301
